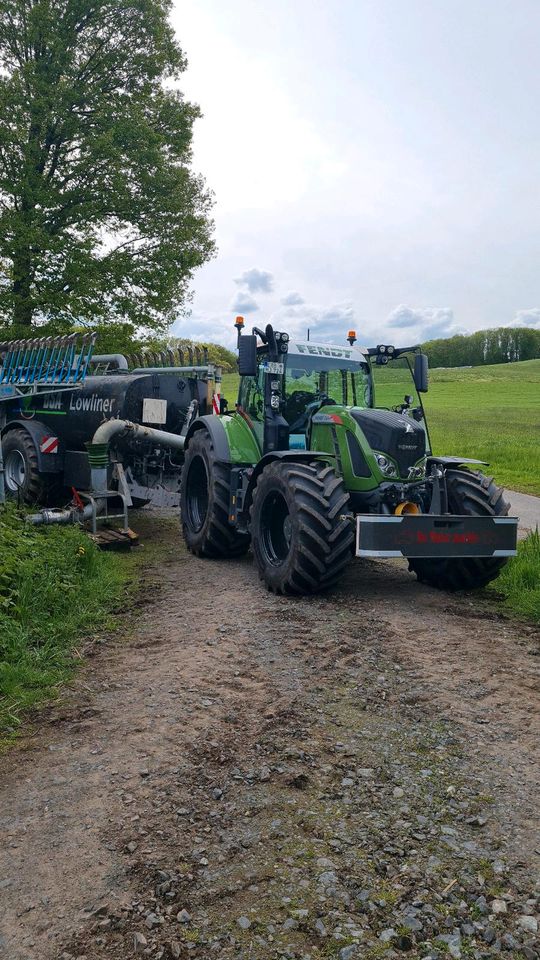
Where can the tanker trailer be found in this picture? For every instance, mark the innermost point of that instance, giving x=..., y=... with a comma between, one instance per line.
x=46, y=436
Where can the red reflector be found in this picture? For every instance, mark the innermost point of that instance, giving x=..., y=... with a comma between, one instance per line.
x=336, y=419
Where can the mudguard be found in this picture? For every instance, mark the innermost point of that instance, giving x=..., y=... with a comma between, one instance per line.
x=47, y=462
x=233, y=439
x=216, y=430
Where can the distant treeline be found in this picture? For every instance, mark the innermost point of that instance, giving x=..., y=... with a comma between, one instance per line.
x=501, y=345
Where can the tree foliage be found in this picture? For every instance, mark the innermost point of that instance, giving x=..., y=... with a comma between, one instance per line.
x=217, y=354
x=499, y=345
x=101, y=217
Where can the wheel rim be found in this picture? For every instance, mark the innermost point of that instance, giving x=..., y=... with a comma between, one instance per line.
x=275, y=529
x=197, y=494
x=14, y=470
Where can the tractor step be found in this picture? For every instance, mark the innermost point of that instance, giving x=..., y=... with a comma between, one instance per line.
x=432, y=536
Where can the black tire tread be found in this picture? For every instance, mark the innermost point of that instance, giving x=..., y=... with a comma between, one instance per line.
x=37, y=487
x=219, y=539
x=322, y=548
x=470, y=493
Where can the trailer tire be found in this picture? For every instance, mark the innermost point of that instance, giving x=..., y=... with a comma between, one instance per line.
x=469, y=494
x=22, y=477
x=300, y=539
x=204, y=503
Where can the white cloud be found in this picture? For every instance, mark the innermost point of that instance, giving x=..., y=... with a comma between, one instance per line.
x=206, y=328
x=244, y=303
x=527, y=318
x=325, y=324
x=256, y=280
x=425, y=323
x=292, y=299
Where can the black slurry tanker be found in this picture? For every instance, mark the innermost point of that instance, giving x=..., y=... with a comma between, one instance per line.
x=47, y=436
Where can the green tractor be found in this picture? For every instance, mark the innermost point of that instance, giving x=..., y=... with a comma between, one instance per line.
x=324, y=457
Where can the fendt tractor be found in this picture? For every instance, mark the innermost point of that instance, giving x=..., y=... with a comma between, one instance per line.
x=319, y=461
x=325, y=455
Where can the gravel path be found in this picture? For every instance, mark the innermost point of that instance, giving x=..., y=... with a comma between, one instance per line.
x=252, y=777
x=527, y=508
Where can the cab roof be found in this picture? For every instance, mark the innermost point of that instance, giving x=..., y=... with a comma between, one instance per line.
x=308, y=348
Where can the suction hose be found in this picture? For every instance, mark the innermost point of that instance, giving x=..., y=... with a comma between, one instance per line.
x=98, y=458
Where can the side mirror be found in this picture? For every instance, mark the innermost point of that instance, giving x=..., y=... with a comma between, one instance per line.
x=421, y=378
x=247, y=355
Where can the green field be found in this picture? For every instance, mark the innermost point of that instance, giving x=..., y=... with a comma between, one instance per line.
x=491, y=412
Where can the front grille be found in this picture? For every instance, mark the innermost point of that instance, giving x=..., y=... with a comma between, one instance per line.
x=393, y=434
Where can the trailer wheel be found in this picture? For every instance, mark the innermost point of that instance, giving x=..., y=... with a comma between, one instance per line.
x=204, y=503
x=469, y=494
x=21, y=474
x=300, y=539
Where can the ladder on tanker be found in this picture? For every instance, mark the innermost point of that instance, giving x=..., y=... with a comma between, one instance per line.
x=42, y=365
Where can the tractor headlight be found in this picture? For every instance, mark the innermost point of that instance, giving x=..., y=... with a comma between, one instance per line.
x=385, y=465
x=418, y=471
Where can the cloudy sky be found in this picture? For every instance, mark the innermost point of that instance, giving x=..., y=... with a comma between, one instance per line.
x=375, y=163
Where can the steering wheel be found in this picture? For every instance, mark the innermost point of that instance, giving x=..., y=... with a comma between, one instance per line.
x=323, y=400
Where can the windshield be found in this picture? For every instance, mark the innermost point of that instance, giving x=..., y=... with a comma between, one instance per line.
x=394, y=389
x=305, y=384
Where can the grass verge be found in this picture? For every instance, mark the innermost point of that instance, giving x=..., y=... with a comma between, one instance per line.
x=519, y=580
x=56, y=588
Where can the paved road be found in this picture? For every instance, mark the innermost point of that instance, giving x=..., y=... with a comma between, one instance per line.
x=527, y=508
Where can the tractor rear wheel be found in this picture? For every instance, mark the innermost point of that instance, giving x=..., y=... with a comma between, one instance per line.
x=21, y=472
x=204, y=502
x=469, y=494
x=300, y=540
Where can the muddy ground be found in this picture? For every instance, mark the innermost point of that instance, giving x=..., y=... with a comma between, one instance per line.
x=238, y=775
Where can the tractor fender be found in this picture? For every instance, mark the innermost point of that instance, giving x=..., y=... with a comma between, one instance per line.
x=291, y=456
x=455, y=461
x=216, y=431
x=39, y=432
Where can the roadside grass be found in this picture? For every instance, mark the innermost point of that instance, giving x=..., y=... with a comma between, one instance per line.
x=519, y=580
x=56, y=589
x=490, y=413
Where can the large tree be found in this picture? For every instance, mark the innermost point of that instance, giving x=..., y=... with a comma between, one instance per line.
x=101, y=217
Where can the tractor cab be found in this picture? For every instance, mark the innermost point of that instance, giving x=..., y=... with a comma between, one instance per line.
x=287, y=384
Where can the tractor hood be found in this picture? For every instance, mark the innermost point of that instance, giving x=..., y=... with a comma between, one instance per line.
x=394, y=435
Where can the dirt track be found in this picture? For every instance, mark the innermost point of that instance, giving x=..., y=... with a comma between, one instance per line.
x=248, y=776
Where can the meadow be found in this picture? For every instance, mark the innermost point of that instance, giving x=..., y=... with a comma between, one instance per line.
x=491, y=413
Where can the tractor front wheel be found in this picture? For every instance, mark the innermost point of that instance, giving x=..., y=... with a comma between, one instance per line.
x=300, y=538
x=469, y=494
x=204, y=502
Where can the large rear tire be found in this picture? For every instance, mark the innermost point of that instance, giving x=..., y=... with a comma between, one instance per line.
x=469, y=494
x=204, y=502
x=22, y=478
x=300, y=541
